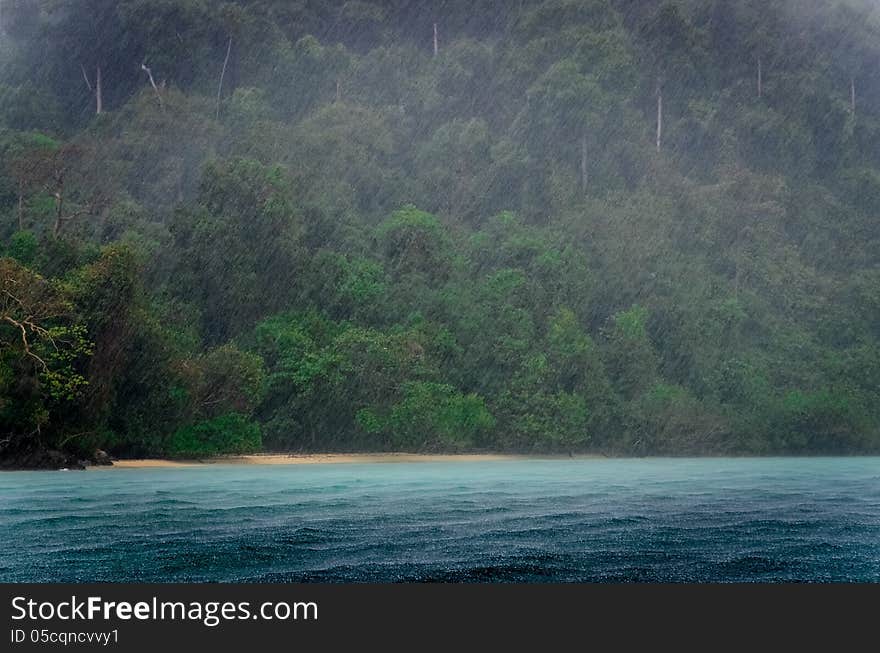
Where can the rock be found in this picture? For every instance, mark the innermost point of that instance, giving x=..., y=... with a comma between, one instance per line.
x=34, y=456
x=101, y=457
x=60, y=460
x=53, y=459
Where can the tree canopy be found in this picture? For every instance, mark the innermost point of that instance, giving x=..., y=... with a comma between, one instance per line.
x=634, y=228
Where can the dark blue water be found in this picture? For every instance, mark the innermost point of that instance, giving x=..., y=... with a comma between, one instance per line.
x=782, y=519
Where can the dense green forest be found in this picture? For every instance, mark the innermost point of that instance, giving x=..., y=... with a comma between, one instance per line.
x=562, y=225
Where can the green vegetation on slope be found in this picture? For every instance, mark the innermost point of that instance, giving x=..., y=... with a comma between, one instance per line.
x=635, y=228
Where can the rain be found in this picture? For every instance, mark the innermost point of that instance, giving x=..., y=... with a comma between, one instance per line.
x=585, y=231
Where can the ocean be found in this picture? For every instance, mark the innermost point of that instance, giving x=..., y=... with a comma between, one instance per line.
x=532, y=520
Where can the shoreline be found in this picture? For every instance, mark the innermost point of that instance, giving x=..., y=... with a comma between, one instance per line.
x=334, y=458
x=386, y=458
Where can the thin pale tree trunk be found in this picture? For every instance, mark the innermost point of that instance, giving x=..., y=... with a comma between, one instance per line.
x=222, y=75
x=760, y=79
x=659, y=115
x=852, y=95
x=153, y=84
x=99, y=100
x=59, y=211
x=86, y=77
x=436, y=42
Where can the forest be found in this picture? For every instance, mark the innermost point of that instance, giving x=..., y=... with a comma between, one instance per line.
x=536, y=226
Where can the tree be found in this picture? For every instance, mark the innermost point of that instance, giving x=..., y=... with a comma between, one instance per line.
x=454, y=164
x=223, y=380
x=44, y=168
x=87, y=33
x=238, y=249
x=74, y=193
x=415, y=242
x=30, y=164
x=671, y=53
x=564, y=99
x=630, y=358
x=41, y=346
x=229, y=433
x=431, y=415
x=343, y=153
x=533, y=414
x=105, y=293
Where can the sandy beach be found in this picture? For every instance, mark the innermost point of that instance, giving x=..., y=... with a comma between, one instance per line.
x=325, y=458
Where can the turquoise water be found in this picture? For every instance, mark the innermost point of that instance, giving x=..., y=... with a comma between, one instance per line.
x=773, y=519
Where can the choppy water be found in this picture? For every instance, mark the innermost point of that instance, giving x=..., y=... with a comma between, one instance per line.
x=775, y=519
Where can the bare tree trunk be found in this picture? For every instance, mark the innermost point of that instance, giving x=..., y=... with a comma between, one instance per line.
x=96, y=89
x=852, y=95
x=59, y=209
x=86, y=77
x=760, y=79
x=338, y=91
x=153, y=84
x=659, y=115
x=99, y=100
x=436, y=45
x=222, y=75
x=584, y=163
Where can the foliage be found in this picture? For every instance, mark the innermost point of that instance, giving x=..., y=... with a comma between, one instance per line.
x=42, y=348
x=433, y=415
x=224, y=434
x=314, y=232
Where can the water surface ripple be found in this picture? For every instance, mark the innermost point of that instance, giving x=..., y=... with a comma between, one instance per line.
x=656, y=520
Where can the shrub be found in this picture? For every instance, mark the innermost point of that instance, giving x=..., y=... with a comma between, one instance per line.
x=229, y=433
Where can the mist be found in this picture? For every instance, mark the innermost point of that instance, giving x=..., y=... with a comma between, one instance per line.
x=626, y=228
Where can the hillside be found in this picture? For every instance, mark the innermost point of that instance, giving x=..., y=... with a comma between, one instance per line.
x=602, y=226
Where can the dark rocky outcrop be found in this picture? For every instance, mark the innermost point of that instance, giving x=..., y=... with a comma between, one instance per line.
x=101, y=457
x=38, y=457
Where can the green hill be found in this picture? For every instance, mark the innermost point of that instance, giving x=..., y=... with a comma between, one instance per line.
x=631, y=228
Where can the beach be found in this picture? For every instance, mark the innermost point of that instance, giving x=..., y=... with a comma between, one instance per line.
x=330, y=458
